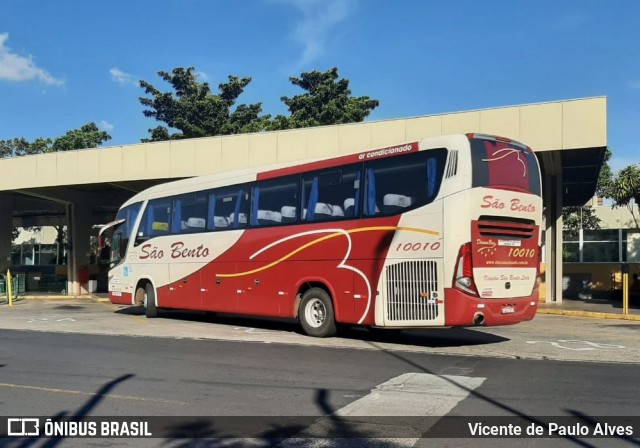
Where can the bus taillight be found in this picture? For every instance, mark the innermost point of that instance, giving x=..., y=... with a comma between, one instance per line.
x=464, y=271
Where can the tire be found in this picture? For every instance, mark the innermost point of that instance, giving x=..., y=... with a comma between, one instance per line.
x=316, y=313
x=150, y=308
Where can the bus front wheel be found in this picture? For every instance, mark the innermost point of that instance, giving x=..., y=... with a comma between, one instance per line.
x=316, y=313
x=150, y=308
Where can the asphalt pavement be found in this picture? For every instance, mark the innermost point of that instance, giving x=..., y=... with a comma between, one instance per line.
x=558, y=337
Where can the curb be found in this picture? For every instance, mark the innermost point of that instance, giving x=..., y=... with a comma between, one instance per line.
x=88, y=297
x=592, y=314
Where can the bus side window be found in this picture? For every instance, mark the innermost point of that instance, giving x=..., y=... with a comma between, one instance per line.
x=190, y=213
x=228, y=208
x=397, y=184
x=238, y=217
x=156, y=218
x=331, y=195
x=275, y=202
x=371, y=207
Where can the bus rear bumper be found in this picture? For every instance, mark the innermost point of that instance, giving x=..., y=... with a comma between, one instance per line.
x=463, y=310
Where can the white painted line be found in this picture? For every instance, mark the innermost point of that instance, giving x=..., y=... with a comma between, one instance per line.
x=411, y=395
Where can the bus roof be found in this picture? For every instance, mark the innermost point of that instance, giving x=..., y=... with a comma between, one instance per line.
x=284, y=168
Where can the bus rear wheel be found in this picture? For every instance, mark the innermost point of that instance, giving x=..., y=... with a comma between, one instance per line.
x=150, y=309
x=316, y=313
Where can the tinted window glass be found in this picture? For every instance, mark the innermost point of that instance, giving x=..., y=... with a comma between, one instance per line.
x=156, y=219
x=228, y=208
x=498, y=164
x=275, y=202
x=189, y=213
x=398, y=184
x=122, y=232
x=331, y=194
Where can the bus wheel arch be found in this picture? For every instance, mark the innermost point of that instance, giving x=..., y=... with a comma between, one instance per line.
x=305, y=285
x=315, y=311
x=139, y=293
x=145, y=295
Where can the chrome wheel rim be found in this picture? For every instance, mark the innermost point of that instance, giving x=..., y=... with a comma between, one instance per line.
x=315, y=313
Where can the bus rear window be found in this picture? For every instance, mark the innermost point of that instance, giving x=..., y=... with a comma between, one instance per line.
x=504, y=165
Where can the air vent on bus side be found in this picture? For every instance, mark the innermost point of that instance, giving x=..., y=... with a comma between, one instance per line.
x=491, y=227
x=412, y=291
x=452, y=164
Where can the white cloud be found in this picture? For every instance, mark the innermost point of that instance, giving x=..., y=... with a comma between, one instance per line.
x=319, y=17
x=121, y=77
x=14, y=67
x=202, y=76
x=105, y=126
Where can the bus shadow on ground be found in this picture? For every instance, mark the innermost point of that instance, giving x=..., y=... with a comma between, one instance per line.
x=435, y=338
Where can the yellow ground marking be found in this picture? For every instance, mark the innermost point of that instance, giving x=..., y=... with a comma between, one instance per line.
x=79, y=392
x=324, y=238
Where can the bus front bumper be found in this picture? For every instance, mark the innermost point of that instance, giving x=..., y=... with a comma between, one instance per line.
x=120, y=298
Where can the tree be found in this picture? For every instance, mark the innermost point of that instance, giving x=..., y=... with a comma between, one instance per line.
x=625, y=190
x=87, y=136
x=22, y=147
x=575, y=218
x=327, y=101
x=195, y=111
x=605, y=178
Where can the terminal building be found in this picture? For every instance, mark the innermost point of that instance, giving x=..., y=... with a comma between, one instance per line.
x=81, y=190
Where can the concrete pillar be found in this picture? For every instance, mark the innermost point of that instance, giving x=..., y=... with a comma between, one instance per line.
x=552, y=185
x=79, y=219
x=6, y=228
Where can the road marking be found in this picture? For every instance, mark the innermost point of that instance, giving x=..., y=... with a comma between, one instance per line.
x=79, y=392
x=592, y=345
x=411, y=395
x=256, y=331
x=36, y=320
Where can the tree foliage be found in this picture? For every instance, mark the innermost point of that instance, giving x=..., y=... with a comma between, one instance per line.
x=605, y=178
x=87, y=136
x=197, y=112
x=576, y=218
x=194, y=111
x=625, y=190
x=327, y=100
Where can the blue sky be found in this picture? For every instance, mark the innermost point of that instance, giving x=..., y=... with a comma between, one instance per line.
x=66, y=63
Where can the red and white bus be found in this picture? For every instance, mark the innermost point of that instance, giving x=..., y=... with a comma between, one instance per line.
x=440, y=232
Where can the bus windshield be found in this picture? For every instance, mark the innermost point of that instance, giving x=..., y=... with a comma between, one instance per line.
x=122, y=232
x=505, y=165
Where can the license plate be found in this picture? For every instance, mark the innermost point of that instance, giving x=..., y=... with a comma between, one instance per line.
x=508, y=310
